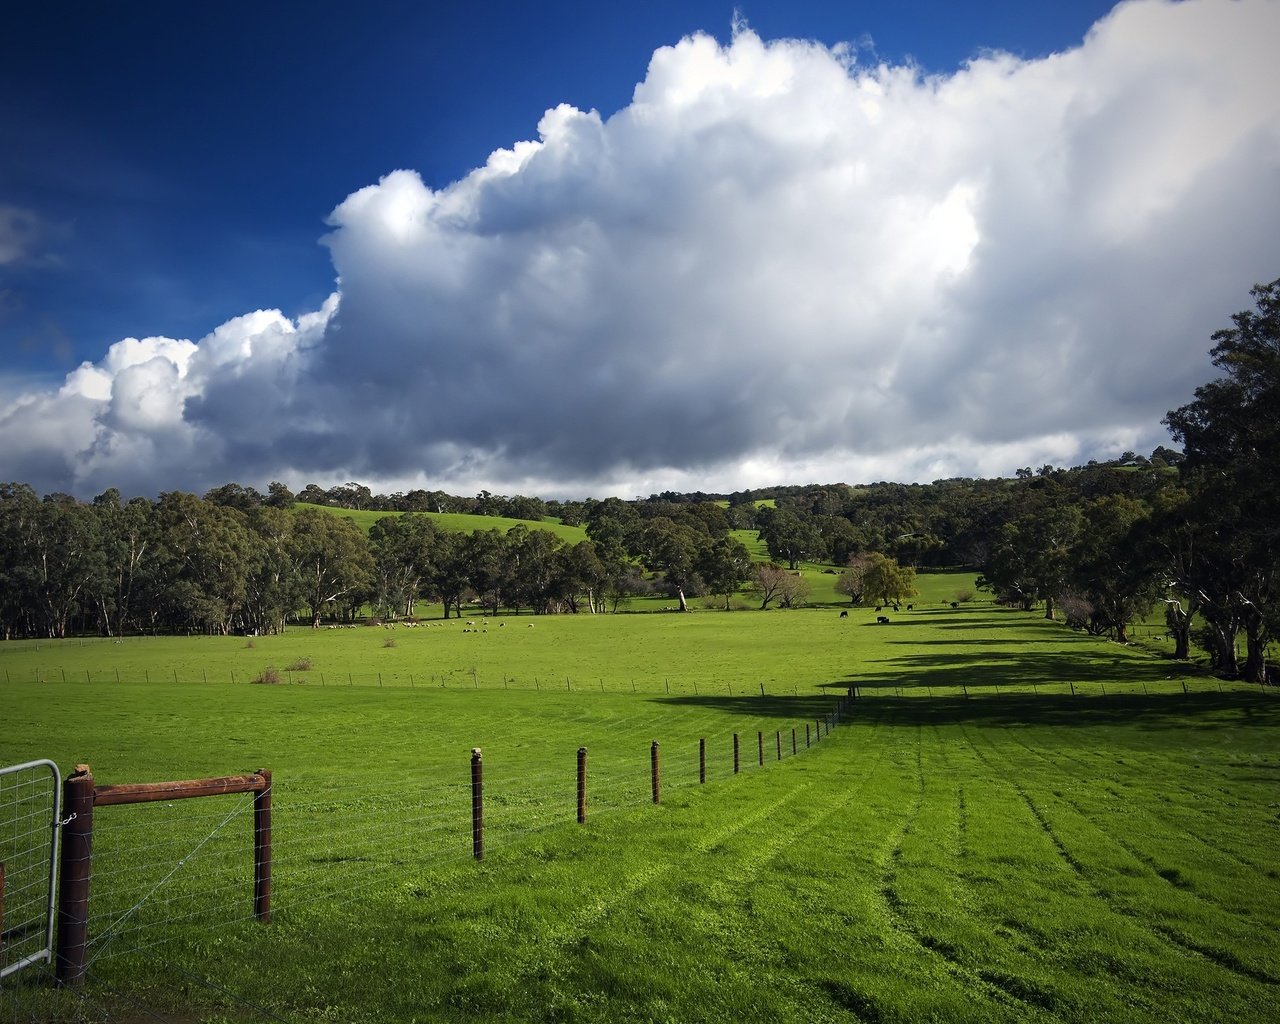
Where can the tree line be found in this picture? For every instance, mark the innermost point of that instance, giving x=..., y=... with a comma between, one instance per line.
x=1192, y=530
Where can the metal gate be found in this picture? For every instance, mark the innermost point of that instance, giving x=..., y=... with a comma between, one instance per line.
x=30, y=813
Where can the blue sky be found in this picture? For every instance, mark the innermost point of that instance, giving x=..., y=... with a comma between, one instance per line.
x=184, y=157
x=169, y=168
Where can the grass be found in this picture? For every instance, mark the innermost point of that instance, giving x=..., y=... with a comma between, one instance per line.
x=457, y=522
x=1026, y=854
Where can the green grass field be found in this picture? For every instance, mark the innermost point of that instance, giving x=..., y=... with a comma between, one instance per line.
x=1014, y=823
x=456, y=522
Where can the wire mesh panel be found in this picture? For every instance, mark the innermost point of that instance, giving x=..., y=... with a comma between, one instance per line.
x=30, y=803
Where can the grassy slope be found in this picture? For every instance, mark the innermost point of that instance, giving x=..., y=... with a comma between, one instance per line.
x=1010, y=857
x=458, y=522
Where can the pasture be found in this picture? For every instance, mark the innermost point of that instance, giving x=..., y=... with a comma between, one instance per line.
x=1014, y=823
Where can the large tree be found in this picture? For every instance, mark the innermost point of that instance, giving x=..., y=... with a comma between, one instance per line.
x=1231, y=437
x=333, y=560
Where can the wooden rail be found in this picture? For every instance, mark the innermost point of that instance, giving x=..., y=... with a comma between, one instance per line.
x=81, y=796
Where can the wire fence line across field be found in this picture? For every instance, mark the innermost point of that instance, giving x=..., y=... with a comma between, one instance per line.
x=161, y=868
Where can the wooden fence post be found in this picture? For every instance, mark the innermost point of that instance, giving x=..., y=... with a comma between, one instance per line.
x=735, y=753
x=793, y=739
x=477, y=804
x=778, y=736
x=760, y=744
x=262, y=848
x=806, y=736
x=77, y=867
x=653, y=761
x=582, y=785
x=702, y=760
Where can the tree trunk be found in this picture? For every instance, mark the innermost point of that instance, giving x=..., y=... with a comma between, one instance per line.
x=684, y=605
x=1255, y=665
x=1048, y=607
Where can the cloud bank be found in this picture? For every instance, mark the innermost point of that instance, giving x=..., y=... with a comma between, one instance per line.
x=774, y=265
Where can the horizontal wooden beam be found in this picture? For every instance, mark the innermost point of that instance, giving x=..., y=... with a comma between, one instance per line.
x=147, y=792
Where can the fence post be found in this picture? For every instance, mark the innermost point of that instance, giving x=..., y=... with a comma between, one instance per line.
x=702, y=760
x=262, y=848
x=760, y=743
x=778, y=736
x=806, y=736
x=735, y=753
x=793, y=740
x=73, y=893
x=477, y=804
x=582, y=785
x=653, y=761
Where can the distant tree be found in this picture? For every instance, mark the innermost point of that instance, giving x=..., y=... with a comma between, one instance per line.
x=887, y=581
x=791, y=539
x=672, y=549
x=236, y=496
x=768, y=582
x=279, y=495
x=724, y=566
x=333, y=560
x=313, y=494
x=404, y=550
x=852, y=581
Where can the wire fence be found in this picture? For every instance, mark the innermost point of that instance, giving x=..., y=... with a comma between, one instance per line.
x=179, y=871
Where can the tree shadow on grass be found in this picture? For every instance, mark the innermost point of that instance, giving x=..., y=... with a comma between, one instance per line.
x=1020, y=668
x=806, y=707
x=1229, y=710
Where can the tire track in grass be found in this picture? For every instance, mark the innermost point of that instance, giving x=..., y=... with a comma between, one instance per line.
x=1165, y=934
x=1141, y=758
x=592, y=912
x=1222, y=957
x=1168, y=875
x=1003, y=991
x=998, y=773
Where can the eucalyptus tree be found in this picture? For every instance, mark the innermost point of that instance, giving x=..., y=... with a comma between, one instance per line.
x=199, y=577
x=1231, y=438
x=405, y=550
x=671, y=548
x=724, y=565
x=127, y=542
x=1109, y=569
x=333, y=562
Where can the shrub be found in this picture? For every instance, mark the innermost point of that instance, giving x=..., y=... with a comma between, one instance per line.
x=301, y=665
x=964, y=595
x=269, y=675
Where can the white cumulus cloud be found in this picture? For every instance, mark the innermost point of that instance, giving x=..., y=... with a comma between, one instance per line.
x=773, y=265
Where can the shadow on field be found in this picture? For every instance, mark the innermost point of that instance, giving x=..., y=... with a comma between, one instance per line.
x=1228, y=710
x=1167, y=710
x=1087, y=664
x=806, y=707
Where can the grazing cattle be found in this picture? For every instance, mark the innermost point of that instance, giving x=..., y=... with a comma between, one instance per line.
x=882, y=620
x=531, y=625
x=955, y=604
x=844, y=615
x=877, y=607
x=911, y=607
